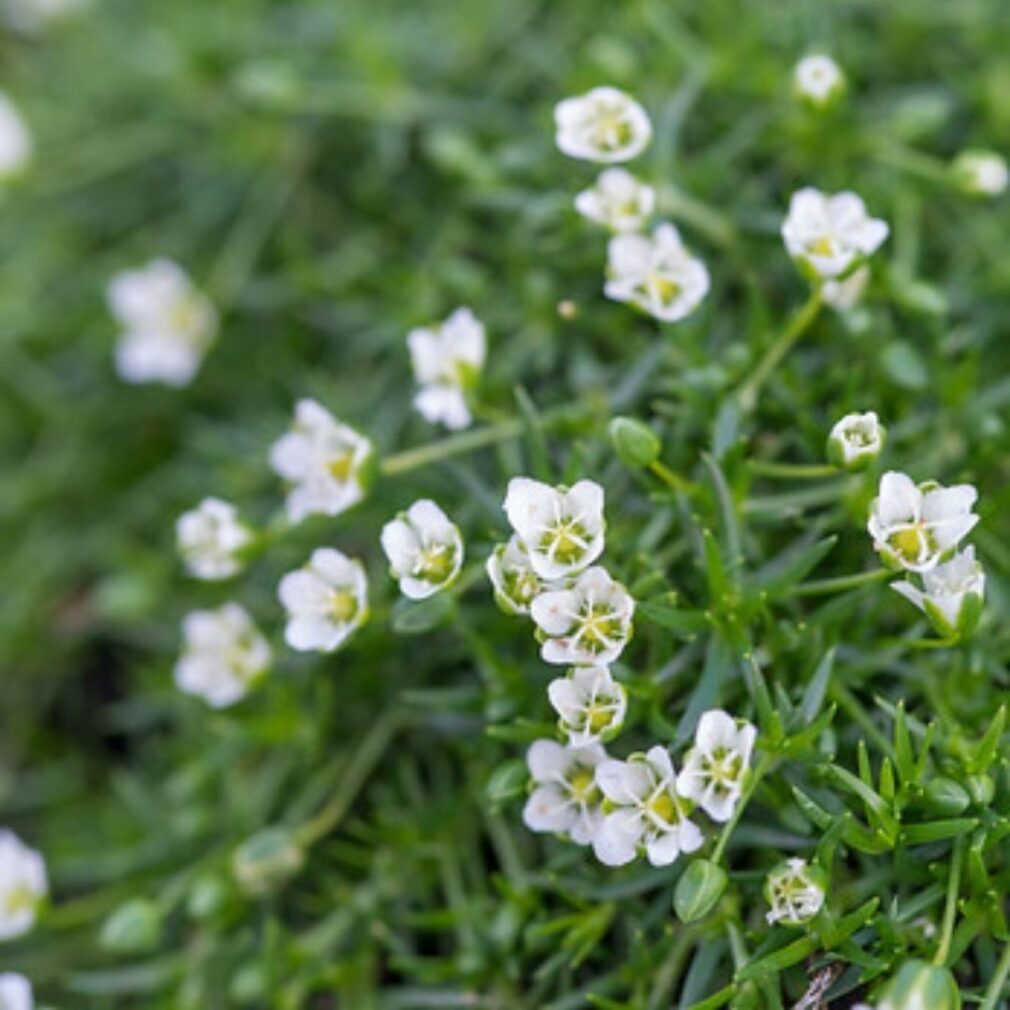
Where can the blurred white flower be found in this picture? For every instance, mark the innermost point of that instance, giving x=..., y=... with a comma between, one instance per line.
x=210, y=538
x=604, y=125
x=818, y=79
x=447, y=361
x=587, y=624
x=715, y=768
x=326, y=601
x=324, y=461
x=795, y=892
x=512, y=576
x=590, y=704
x=565, y=799
x=856, y=440
x=657, y=273
x=617, y=200
x=981, y=173
x=645, y=811
x=15, y=140
x=167, y=324
x=844, y=294
x=828, y=234
x=224, y=655
x=15, y=992
x=951, y=595
x=23, y=885
x=424, y=548
x=915, y=527
x=31, y=16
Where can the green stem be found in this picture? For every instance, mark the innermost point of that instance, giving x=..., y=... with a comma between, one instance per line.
x=917, y=163
x=747, y=394
x=672, y=480
x=992, y=993
x=919, y=643
x=467, y=441
x=792, y=471
x=823, y=587
x=367, y=755
x=758, y=774
x=950, y=910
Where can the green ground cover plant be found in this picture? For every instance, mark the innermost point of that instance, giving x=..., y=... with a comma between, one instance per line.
x=476, y=540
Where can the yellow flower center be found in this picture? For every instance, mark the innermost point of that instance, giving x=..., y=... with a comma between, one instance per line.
x=343, y=605
x=663, y=807
x=582, y=785
x=341, y=467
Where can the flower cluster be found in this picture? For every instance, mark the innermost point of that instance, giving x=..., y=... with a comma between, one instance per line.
x=447, y=361
x=917, y=528
x=641, y=805
x=656, y=273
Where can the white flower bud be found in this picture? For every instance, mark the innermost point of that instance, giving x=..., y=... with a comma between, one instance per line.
x=513, y=578
x=951, y=594
x=856, y=441
x=15, y=140
x=818, y=80
x=980, y=173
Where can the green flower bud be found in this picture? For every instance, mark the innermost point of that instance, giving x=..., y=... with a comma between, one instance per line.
x=920, y=986
x=637, y=445
x=700, y=886
x=267, y=860
x=856, y=441
x=133, y=928
x=250, y=984
x=980, y=173
x=209, y=895
x=945, y=797
x=982, y=789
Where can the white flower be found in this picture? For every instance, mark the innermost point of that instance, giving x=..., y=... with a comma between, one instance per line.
x=23, y=885
x=981, y=173
x=645, y=811
x=604, y=125
x=916, y=527
x=818, y=79
x=716, y=766
x=210, y=538
x=856, y=440
x=326, y=601
x=447, y=361
x=617, y=200
x=830, y=234
x=323, y=460
x=844, y=294
x=951, y=594
x=168, y=325
x=224, y=655
x=561, y=528
x=795, y=892
x=656, y=273
x=586, y=625
x=590, y=704
x=565, y=799
x=15, y=992
x=512, y=576
x=424, y=549
x=15, y=140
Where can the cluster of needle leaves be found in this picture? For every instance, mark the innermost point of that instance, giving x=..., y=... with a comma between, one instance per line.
x=333, y=174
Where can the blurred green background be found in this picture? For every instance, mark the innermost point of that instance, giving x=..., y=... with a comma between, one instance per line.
x=333, y=173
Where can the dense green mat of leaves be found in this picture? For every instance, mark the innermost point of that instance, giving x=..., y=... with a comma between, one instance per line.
x=333, y=174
